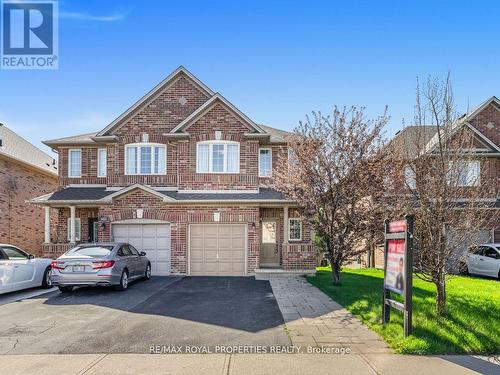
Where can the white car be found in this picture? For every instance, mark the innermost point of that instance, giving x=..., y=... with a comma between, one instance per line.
x=484, y=260
x=21, y=270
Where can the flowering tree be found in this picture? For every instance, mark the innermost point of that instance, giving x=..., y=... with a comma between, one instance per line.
x=439, y=177
x=333, y=174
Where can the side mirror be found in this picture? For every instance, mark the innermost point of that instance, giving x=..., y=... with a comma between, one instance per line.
x=142, y=253
x=31, y=256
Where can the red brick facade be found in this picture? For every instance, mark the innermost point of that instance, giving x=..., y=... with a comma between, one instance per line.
x=156, y=117
x=21, y=223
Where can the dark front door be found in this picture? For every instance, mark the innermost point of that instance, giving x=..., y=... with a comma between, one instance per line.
x=93, y=229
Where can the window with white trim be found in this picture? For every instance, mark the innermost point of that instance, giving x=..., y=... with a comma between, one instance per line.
x=410, y=178
x=78, y=229
x=75, y=162
x=101, y=162
x=465, y=173
x=265, y=162
x=218, y=157
x=145, y=159
x=294, y=229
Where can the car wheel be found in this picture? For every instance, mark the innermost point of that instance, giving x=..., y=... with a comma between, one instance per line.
x=47, y=281
x=65, y=289
x=123, y=281
x=147, y=274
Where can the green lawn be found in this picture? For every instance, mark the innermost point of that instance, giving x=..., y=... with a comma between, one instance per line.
x=471, y=326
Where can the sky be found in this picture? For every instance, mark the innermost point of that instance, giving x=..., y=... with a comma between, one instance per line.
x=275, y=60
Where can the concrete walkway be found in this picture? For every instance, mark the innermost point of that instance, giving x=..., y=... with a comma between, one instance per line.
x=223, y=364
x=314, y=320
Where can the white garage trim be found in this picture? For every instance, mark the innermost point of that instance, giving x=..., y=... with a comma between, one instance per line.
x=218, y=223
x=140, y=221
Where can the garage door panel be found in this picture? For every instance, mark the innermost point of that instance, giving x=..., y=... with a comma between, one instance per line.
x=154, y=239
x=162, y=243
x=217, y=249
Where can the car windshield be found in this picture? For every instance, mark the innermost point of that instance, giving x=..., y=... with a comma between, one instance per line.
x=90, y=251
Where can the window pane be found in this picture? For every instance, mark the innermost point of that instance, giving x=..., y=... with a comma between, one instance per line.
x=131, y=160
x=75, y=163
x=160, y=160
x=295, y=229
x=217, y=158
x=77, y=229
x=101, y=163
x=146, y=160
x=203, y=154
x=265, y=163
x=14, y=254
x=410, y=177
x=233, y=158
x=268, y=232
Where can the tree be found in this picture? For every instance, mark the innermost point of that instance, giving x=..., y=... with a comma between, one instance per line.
x=439, y=177
x=333, y=175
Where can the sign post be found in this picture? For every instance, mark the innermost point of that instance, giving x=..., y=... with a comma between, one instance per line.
x=398, y=269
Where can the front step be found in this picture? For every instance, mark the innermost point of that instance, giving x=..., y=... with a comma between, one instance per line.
x=270, y=273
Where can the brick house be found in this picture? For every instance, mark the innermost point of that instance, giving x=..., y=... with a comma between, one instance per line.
x=25, y=171
x=182, y=175
x=483, y=123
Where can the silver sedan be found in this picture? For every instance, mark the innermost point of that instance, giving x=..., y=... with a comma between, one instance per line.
x=100, y=264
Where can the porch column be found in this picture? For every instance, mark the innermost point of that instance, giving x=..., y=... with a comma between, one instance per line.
x=72, y=226
x=47, y=224
x=285, y=225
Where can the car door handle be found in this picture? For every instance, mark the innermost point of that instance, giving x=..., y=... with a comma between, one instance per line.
x=481, y=260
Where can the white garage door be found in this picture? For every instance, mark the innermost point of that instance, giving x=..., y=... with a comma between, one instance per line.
x=217, y=249
x=154, y=239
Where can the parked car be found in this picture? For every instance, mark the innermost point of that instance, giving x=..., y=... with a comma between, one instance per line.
x=484, y=260
x=100, y=264
x=21, y=270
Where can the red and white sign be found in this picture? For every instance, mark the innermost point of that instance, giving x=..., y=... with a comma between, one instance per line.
x=397, y=226
x=394, y=273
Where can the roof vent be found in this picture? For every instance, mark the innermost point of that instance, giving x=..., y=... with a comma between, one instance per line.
x=490, y=125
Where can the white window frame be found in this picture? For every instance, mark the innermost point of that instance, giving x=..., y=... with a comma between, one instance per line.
x=271, y=165
x=210, y=156
x=469, y=182
x=78, y=229
x=69, y=162
x=99, y=172
x=410, y=178
x=289, y=226
x=138, y=158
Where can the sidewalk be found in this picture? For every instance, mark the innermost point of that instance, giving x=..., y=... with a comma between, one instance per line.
x=314, y=319
x=222, y=364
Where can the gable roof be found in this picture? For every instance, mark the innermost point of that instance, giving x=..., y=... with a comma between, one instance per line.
x=207, y=105
x=17, y=148
x=75, y=139
x=413, y=138
x=156, y=90
x=475, y=111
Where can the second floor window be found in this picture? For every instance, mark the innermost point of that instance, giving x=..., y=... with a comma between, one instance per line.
x=218, y=157
x=143, y=159
x=101, y=162
x=465, y=173
x=74, y=163
x=265, y=162
x=410, y=179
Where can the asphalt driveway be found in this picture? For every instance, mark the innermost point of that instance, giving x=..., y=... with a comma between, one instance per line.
x=165, y=311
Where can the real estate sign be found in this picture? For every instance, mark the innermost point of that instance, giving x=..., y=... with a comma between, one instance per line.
x=398, y=269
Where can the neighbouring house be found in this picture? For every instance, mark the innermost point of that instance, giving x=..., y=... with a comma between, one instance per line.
x=483, y=122
x=182, y=175
x=25, y=171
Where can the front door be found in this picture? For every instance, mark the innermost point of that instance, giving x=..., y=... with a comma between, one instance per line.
x=269, y=253
x=93, y=229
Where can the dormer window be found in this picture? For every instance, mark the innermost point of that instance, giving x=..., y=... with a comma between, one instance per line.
x=218, y=157
x=145, y=159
